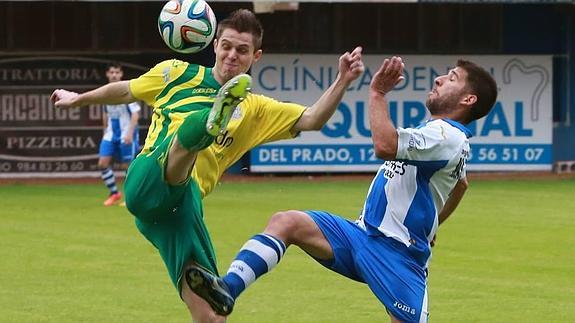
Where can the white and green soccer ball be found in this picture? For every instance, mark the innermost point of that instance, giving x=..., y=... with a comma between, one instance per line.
x=187, y=26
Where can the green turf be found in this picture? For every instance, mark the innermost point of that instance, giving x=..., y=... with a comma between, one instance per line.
x=506, y=255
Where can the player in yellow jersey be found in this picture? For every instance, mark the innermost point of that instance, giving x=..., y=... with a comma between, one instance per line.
x=180, y=162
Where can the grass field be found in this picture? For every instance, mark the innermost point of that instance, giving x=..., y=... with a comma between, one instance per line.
x=506, y=255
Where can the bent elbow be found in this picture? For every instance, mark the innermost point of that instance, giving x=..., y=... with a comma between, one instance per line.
x=384, y=152
x=307, y=124
x=317, y=126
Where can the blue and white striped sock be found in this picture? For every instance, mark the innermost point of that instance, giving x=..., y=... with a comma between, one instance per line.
x=258, y=256
x=109, y=180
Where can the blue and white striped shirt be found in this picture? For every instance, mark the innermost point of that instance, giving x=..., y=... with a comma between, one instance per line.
x=119, y=117
x=407, y=193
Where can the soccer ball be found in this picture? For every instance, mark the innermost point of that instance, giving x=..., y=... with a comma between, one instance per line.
x=187, y=26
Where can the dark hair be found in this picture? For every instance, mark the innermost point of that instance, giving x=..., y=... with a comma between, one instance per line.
x=482, y=84
x=243, y=21
x=113, y=65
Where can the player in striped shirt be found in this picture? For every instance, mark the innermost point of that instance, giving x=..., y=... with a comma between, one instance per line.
x=120, y=139
x=417, y=187
x=190, y=142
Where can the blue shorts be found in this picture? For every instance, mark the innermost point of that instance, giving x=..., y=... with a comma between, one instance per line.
x=383, y=263
x=125, y=153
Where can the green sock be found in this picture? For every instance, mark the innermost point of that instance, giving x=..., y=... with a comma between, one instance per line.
x=192, y=133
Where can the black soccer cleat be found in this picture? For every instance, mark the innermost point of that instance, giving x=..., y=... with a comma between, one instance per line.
x=211, y=288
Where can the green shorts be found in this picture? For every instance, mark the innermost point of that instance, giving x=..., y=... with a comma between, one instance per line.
x=170, y=217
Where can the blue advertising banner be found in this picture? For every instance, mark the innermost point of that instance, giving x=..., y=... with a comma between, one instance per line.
x=516, y=135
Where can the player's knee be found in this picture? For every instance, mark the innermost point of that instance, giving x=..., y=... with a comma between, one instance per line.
x=285, y=224
x=284, y=219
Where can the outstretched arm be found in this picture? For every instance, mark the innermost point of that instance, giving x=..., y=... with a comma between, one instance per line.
x=383, y=132
x=350, y=68
x=111, y=93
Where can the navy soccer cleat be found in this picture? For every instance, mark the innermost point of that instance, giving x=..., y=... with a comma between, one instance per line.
x=211, y=288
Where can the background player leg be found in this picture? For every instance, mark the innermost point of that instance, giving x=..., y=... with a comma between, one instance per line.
x=109, y=179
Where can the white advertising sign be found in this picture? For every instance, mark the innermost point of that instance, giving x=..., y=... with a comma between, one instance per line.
x=516, y=135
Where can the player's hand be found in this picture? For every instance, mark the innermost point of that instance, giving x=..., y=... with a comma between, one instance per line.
x=63, y=99
x=350, y=65
x=128, y=139
x=388, y=76
x=432, y=242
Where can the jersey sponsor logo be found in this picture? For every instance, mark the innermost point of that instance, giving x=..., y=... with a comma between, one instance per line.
x=405, y=308
x=203, y=90
x=224, y=140
x=392, y=168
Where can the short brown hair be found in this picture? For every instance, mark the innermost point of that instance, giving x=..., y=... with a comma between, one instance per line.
x=482, y=84
x=243, y=21
x=113, y=65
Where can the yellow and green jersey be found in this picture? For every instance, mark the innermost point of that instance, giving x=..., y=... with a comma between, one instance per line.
x=175, y=89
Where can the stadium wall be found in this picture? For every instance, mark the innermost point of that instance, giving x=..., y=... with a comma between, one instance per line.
x=120, y=31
